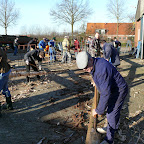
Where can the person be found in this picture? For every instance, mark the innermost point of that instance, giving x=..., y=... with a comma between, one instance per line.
x=66, y=49
x=111, y=86
x=77, y=47
x=129, y=44
x=112, y=42
x=139, y=47
x=42, y=44
x=33, y=41
x=30, y=58
x=4, y=77
x=51, y=53
x=52, y=44
x=15, y=44
x=117, y=45
x=96, y=45
x=110, y=53
x=89, y=46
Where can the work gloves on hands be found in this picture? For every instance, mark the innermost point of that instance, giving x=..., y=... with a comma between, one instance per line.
x=40, y=67
x=27, y=62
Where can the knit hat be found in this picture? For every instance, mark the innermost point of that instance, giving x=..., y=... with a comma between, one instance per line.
x=82, y=59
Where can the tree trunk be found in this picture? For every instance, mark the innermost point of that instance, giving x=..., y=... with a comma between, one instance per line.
x=117, y=19
x=117, y=29
x=72, y=33
x=5, y=30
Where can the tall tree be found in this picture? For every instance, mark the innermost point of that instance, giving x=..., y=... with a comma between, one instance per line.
x=116, y=9
x=71, y=11
x=8, y=14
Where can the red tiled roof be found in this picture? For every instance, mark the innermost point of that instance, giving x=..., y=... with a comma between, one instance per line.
x=124, y=28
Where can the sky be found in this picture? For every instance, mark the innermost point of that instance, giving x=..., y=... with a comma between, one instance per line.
x=35, y=13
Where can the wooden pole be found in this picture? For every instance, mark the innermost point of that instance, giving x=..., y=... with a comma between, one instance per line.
x=92, y=136
x=18, y=73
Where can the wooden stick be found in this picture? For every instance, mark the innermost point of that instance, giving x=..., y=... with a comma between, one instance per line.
x=92, y=136
x=95, y=106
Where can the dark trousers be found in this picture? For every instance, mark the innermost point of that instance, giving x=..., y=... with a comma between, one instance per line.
x=15, y=50
x=113, y=117
x=34, y=67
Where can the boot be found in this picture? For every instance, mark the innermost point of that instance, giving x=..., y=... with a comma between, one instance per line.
x=9, y=103
x=27, y=79
x=38, y=77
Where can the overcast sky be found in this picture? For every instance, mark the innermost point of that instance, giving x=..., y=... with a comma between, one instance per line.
x=36, y=13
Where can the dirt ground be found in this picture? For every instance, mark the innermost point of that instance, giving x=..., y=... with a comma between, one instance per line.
x=55, y=110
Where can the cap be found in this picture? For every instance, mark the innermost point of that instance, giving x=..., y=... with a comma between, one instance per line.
x=47, y=39
x=66, y=37
x=82, y=59
x=54, y=38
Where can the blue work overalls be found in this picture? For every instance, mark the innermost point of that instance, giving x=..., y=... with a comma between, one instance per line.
x=113, y=90
x=4, y=83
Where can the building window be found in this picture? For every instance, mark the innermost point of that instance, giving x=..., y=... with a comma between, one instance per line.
x=100, y=31
x=119, y=38
x=124, y=38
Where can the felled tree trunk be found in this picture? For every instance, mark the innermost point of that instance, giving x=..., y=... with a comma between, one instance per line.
x=18, y=72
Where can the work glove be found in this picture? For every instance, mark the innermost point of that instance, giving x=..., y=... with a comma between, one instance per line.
x=27, y=62
x=0, y=76
x=40, y=67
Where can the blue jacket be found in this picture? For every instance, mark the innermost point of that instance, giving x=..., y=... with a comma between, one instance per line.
x=52, y=43
x=111, y=53
x=109, y=82
x=42, y=44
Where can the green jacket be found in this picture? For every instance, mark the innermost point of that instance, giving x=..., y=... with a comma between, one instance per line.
x=4, y=66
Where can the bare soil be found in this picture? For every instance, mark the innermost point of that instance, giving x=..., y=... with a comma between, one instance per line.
x=55, y=110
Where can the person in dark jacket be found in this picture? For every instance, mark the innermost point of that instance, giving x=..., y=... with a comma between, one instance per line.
x=110, y=53
x=111, y=86
x=32, y=44
x=15, y=44
x=117, y=45
x=52, y=44
x=96, y=45
x=4, y=77
x=30, y=58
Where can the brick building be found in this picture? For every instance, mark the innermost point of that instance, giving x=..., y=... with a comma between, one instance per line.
x=109, y=30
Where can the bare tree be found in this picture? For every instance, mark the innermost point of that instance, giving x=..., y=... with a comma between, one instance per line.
x=83, y=27
x=131, y=19
x=116, y=9
x=8, y=14
x=71, y=11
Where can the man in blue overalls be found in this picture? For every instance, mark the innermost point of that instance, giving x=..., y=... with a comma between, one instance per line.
x=111, y=86
x=4, y=77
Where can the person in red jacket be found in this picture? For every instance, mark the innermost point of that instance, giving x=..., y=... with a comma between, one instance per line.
x=77, y=46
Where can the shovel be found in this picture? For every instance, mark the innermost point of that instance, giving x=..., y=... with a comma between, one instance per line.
x=93, y=137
